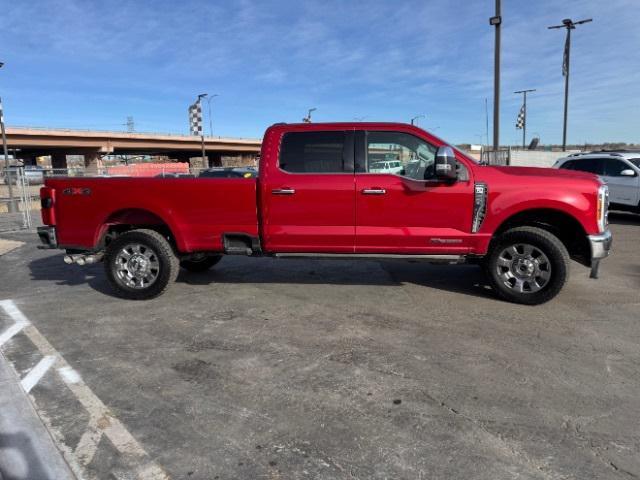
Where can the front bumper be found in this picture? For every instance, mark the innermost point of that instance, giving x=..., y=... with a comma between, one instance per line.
x=48, y=237
x=600, y=245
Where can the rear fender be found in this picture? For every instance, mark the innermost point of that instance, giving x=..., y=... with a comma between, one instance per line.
x=143, y=217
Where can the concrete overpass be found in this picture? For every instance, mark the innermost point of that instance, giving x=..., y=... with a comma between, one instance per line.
x=58, y=143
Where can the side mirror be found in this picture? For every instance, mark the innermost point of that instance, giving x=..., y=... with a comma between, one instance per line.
x=446, y=165
x=627, y=172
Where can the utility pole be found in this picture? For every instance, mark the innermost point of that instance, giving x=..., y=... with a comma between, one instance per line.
x=413, y=120
x=496, y=21
x=569, y=25
x=524, y=110
x=131, y=126
x=205, y=160
x=7, y=170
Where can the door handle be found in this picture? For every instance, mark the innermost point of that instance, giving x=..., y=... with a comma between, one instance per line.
x=283, y=191
x=374, y=191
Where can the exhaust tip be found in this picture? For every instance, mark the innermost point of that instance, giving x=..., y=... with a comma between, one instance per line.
x=81, y=261
x=68, y=259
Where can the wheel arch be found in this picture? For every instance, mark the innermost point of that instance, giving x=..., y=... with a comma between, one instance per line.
x=127, y=219
x=563, y=225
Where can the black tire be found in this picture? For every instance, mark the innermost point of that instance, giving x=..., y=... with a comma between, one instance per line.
x=552, y=263
x=161, y=257
x=198, y=265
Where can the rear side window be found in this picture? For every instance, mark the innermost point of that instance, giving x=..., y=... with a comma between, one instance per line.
x=569, y=165
x=313, y=152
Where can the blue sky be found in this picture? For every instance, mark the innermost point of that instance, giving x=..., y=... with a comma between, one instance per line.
x=86, y=64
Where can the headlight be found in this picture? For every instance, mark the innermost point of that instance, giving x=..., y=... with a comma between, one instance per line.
x=603, y=208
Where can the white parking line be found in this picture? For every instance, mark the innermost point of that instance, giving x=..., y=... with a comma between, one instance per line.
x=32, y=378
x=102, y=421
x=17, y=316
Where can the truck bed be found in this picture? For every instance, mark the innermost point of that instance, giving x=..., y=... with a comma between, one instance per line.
x=197, y=210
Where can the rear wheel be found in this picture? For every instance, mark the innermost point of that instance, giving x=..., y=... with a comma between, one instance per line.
x=527, y=265
x=200, y=263
x=140, y=264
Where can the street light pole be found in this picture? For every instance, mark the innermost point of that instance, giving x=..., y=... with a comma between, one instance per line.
x=7, y=172
x=496, y=21
x=524, y=123
x=209, y=98
x=413, y=120
x=569, y=25
x=307, y=119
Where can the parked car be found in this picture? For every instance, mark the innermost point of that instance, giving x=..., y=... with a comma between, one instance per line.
x=619, y=169
x=34, y=175
x=393, y=166
x=316, y=196
x=229, y=172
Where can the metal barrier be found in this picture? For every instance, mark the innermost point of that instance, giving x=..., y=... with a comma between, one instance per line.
x=170, y=170
x=15, y=214
x=496, y=157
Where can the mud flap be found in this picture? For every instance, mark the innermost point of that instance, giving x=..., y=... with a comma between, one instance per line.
x=595, y=265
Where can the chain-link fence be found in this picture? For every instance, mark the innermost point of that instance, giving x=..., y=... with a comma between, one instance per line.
x=19, y=199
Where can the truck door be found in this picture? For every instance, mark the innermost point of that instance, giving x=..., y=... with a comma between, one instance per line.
x=623, y=189
x=408, y=212
x=308, y=197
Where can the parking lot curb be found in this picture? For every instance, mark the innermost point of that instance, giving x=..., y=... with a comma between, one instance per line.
x=27, y=451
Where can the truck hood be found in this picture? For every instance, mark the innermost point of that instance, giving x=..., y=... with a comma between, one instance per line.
x=545, y=173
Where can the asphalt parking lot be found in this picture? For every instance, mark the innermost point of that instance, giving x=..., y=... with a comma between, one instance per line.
x=333, y=369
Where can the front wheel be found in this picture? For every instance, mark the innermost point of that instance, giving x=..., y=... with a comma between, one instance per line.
x=140, y=264
x=527, y=265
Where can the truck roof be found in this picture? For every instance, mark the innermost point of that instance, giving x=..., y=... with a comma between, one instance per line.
x=316, y=125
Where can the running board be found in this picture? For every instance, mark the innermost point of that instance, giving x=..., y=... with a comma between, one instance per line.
x=376, y=256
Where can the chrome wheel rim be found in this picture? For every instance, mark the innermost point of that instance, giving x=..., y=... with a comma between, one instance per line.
x=523, y=268
x=137, y=266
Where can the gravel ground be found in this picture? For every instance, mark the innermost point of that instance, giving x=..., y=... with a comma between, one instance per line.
x=266, y=368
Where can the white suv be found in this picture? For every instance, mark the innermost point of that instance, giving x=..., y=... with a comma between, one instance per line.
x=620, y=169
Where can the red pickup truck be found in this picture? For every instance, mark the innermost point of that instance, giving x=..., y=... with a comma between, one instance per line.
x=316, y=196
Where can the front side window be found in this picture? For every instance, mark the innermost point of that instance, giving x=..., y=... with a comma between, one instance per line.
x=313, y=152
x=613, y=168
x=400, y=154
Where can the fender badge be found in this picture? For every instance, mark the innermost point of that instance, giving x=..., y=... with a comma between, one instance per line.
x=446, y=240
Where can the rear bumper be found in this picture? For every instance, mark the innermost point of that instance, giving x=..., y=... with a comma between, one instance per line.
x=48, y=237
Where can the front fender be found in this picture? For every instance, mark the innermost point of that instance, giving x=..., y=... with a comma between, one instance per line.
x=502, y=206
